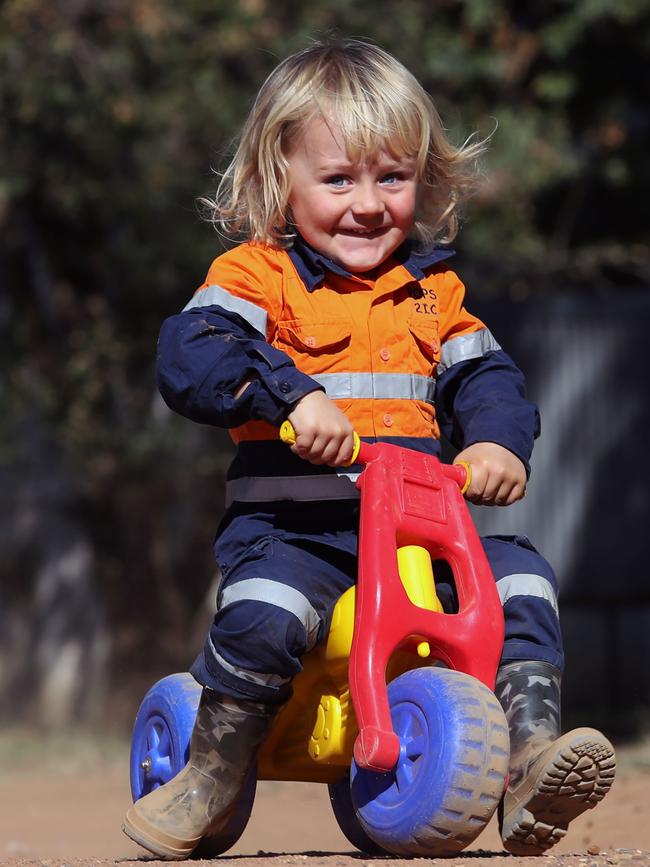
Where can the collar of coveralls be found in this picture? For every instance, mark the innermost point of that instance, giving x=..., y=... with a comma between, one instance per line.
x=311, y=265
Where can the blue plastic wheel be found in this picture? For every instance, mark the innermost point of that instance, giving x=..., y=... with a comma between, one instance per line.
x=345, y=815
x=450, y=775
x=161, y=733
x=160, y=749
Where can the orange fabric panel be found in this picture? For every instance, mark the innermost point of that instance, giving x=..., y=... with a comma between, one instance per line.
x=252, y=272
x=453, y=317
x=370, y=418
x=350, y=324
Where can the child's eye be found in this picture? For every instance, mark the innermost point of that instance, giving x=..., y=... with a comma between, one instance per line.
x=391, y=178
x=337, y=181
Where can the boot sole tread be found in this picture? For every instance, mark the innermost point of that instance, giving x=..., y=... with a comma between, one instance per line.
x=573, y=778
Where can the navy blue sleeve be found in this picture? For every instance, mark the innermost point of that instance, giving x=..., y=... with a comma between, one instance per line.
x=484, y=400
x=205, y=353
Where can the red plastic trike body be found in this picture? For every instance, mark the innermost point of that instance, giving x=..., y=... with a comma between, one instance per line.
x=409, y=498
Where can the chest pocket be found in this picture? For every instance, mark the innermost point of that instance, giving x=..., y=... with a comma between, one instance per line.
x=426, y=345
x=315, y=348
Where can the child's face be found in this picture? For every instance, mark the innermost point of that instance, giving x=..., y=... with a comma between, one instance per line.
x=356, y=213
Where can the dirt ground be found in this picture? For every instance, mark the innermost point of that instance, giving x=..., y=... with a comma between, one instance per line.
x=61, y=803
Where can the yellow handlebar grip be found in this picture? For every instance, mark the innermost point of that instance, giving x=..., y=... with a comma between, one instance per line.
x=288, y=436
x=287, y=433
x=355, y=449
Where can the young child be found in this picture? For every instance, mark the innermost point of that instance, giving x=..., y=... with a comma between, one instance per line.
x=341, y=312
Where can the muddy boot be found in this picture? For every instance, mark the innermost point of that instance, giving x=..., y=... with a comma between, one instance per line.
x=553, y=778
x=171, y=821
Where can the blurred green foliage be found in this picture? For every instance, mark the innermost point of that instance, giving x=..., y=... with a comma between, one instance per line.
x=113, y=115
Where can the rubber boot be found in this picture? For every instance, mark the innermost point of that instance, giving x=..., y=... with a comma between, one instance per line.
x=553, y=778
x=172, y=820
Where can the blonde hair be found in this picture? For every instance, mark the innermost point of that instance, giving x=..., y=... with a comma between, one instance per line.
x=377, y=104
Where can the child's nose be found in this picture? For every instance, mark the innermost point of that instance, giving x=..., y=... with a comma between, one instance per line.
x=367, y=201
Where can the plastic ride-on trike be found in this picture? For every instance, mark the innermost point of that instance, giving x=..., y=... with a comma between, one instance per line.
x=395, y=710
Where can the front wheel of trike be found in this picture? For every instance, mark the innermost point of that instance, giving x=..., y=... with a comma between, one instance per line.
x=450, y=775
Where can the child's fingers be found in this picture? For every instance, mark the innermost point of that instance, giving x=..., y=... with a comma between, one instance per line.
x=333, y=449
x=305, y=444
x=498, y=476
x=503, y=494
x=510, y=494
x=500, y=491
x=486, y=488
x=343, y=453
x=476, y=490
x=338, y=450
x=324, y=450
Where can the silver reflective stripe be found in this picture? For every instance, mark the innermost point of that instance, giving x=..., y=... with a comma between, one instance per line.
x=267, y=489
x=272, y=680
x=252, y=313
x=466, y=346
x=524, y=584
x=390, y=386
x=280, y=595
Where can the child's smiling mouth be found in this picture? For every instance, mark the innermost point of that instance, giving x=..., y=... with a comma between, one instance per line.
x=363, y=233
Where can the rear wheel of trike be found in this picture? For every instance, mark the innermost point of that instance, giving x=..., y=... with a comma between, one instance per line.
x=160, y=749
x=450, y=775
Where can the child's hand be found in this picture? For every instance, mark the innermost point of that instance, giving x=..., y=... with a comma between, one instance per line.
x=498, y=476
x=323, y=432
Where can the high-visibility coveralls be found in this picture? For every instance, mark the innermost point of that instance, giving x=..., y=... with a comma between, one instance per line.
x=400, y=355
